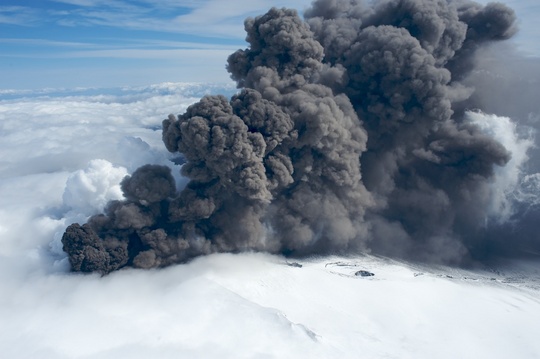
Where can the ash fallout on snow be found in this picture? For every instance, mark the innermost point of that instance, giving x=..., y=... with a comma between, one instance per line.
x=348, y=134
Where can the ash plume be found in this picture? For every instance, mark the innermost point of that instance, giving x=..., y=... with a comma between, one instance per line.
x=348, y=134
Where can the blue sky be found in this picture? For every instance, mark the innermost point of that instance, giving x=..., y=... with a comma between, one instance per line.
x=100, y=43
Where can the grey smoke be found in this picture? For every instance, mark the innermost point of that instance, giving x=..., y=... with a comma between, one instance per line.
x=348, y=134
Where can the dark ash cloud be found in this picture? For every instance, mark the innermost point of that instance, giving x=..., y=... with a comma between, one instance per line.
x=349, y=134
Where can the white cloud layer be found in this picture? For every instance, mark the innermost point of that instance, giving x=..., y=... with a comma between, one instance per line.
x=62, y=158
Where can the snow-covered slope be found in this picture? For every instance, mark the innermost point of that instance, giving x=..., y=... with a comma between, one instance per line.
x=261, y=306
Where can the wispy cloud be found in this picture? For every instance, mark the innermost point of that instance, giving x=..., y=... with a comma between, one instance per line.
x=46, y=42
x=99, y=3
x=119, y=48
x=201, y=54
x=18, y=15
x=214, y=18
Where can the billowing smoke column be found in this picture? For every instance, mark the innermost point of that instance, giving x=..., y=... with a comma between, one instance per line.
x=343, y=138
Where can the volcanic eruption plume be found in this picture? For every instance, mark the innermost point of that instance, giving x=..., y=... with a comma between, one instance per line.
x=347, y=134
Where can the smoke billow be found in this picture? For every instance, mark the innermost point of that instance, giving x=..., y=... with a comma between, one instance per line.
x=348, y=134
